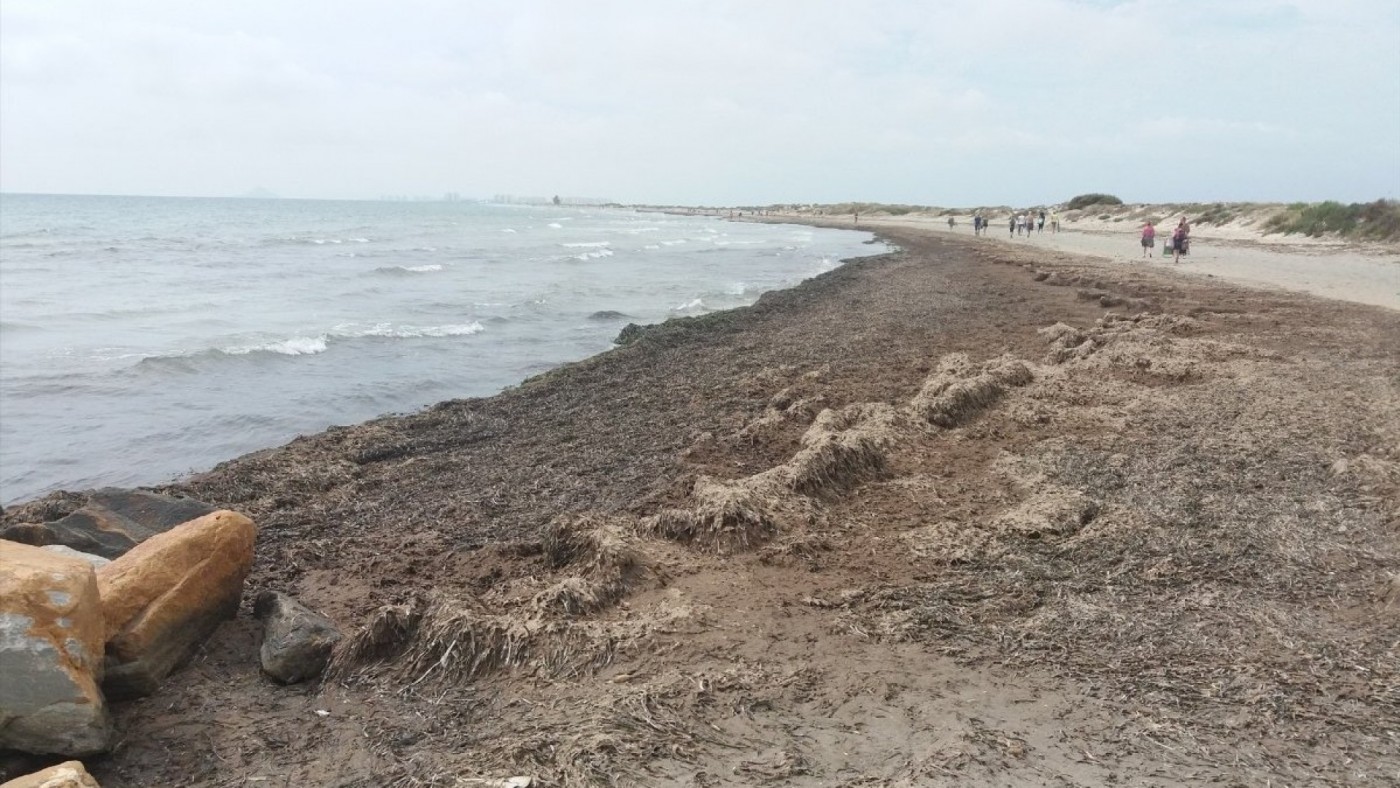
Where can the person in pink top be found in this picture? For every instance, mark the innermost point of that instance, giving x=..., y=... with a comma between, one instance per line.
x=1149, y=239
x=1181, y=240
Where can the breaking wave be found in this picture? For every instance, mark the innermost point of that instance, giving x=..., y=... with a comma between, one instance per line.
x=319, y=343
x=405, y=270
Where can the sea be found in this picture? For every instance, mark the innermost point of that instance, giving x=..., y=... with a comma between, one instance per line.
x=144, y=338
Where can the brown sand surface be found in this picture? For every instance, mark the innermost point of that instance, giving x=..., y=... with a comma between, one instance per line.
x=962, y=514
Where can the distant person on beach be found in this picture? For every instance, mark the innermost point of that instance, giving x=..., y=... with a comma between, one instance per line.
x=1181, y=240
x=1020, y=223
x=1040, y=227
x=1149, y=239
x=1013, y=225
x=855, y=217
x=1054, y=221
x=950, y=222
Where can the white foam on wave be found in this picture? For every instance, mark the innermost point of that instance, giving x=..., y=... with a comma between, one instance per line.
x=736, y=289
x=673, y=243
x=426, y=268
x=694, y=305
x=586, y=244
x=652, y=246
x=296, y=346
x=508, y=230
x=411, y=332
x=594, y=255
x=556, y=225
x=308, y=346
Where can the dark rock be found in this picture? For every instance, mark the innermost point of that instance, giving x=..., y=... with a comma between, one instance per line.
x=111, y=522
x=297, y=641
x=630, y=333
x=607, y=314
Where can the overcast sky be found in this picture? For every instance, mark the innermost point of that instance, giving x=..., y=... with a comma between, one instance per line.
x=949, y=102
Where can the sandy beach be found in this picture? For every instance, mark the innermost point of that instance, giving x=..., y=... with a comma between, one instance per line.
x=978, y=511
x=1363, y=273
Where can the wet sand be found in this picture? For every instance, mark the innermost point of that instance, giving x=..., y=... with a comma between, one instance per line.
x=967, y=513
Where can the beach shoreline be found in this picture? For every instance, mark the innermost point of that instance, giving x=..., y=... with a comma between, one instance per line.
x=984, y=588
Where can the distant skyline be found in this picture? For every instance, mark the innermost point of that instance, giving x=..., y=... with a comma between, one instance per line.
x=963, y=102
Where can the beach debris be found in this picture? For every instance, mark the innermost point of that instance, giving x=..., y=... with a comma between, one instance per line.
x=95, y=560
x=51, y=634
x=957, y=390
x=69, y=774
x=842, y=448
x=169, y=593
x=607, y=562
x=297, y=641
x=110, y=522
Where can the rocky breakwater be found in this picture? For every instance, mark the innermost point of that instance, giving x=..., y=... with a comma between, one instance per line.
x=77, y=631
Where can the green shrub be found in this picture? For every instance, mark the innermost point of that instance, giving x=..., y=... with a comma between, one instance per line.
x=1086, y=200
x=1216, y=214
x=1376, y=221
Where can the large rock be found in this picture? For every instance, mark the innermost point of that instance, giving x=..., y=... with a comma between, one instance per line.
x=95, y=560
x=69, y=774
x=51, y=636
x=297, y=641
x=169, y=593
x=111, y=522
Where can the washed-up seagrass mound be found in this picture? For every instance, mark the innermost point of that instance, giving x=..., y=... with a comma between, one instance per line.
x=841, y=449
x=450, y=640
x=798, y=402
x=957, y=390
x=1158, y=346
x=608, y=563
x=1050, y=513
x=727, y=515
x=535, y=621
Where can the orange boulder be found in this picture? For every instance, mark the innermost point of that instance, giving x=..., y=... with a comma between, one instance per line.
x=51, y=636
x=166, y=595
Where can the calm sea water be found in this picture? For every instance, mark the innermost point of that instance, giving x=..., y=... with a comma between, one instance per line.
x=145, y=338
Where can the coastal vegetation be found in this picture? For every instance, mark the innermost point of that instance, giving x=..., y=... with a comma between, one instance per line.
x=1374, y=221
x=1085, y=200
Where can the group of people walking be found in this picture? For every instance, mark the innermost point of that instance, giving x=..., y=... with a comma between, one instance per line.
x=1019, y=223
x=1179, y=244
x=1028, y=222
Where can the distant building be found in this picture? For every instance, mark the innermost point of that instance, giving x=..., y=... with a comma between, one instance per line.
x=515, y=199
